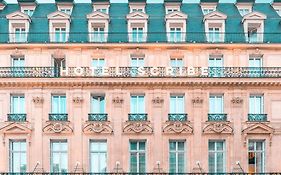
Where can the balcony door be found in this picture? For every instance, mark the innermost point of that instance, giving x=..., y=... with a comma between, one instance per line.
x=215, y=66
x=255, y=65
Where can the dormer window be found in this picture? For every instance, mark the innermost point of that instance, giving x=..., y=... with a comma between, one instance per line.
x=18, y=26
x=137, y=5
x=101, y=6
x=59, y=26
x=208, y=10
x=98, y=26
x=137, y=26
x=66, y=10
x=172, y=6
x=254, y=26
x=170, y=10
x=27, y=7
x=65, y=6
x=29, y=12
x=277, y=6
x=208, y=6
x=244, y=7
x=215, y=26
x=176, y=26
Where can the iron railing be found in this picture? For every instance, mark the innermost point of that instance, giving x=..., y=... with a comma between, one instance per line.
x=217, y=117
x=141, y=37
x=16, y=117
x=142, y=72
x=58, y=117
x=137, y=117
x=97, y=117
x=257, y=117
x=177, y=117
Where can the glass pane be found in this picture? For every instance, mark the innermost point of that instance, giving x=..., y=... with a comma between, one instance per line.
x=173, y=146
x=133, y=163
x=181, y=162
x=172, y=162
x=180, y=146
x=102, y=162
x=220, y=164
x=211, y=162
x=142, y=163
x=64, y=162
x=141, y=145
x=219, y=146
x=259, y=163
x=95, y=163
x=133, y=146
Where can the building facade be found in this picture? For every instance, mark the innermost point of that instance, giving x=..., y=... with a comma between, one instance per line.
x=140, y=87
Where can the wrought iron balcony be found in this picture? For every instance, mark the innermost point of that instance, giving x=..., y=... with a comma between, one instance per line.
x=58, y=117
x=97, y=117
x=137, y=117
x=16, y=117
x=257, y=117
x=177, y=117
x=217, y=117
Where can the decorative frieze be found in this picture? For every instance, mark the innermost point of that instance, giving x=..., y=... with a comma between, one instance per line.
x=117, y=101
x=236, y=100
x=177, y=127
x=197, y=100
x=38, y=100
x=157, y=101
x=97, y=127
x=77, y=100
x=218, y=128
x=138, y=127
x=54, y=127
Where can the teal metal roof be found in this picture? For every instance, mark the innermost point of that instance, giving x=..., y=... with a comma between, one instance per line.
x=39, y=26
x=60, y=1
x=206, y=1
x=130, y=1
x=245, y=1
x=27, y=1
x=171, y=1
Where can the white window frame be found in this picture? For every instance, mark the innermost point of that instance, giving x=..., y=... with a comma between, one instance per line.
x=98, y=34
x=20, y=109
x=178, y=61
x=99, y=154
x=207, y=10
x=62, y=34
x=20, y=152
x=138, y=152
x=216, y=107
x=60, y=152
x=172, y=9
x=177, y=152
x=99, y=99
x=138, y=104
x=139, y=33
x=258, y=151
x=216, y=152
x=178, y=99
x=60, y=110
x=258, y=104
x=176, y=34
x=215, y=34
x=244, y=11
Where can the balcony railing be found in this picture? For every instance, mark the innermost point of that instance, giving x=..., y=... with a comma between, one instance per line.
x=97, y=117
x=142, y=72
x=58, y=117
x=217, y=117
x=16, y=117
x=177, y=117
x=257, y=117
x=150, y=37
x=137, y=117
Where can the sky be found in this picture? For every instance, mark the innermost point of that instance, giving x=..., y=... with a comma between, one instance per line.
x=149, y=1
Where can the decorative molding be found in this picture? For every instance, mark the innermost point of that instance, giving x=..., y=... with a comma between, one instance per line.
x=97, y=127
x=55, y=127
x=218, y=128
x=77, y=100
x=258, y=128
x=117, y=101
x=176, y=127
x=237, y=100
x=197, y=100
x=38, y=100
x=137, y=127
x=157, y=101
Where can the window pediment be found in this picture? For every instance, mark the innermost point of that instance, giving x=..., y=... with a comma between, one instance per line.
x=57, y=15
x=18, y=16
x=176, y=15
x=98, y=15
x=216, y=15
x=137, y=15
x=254, y=16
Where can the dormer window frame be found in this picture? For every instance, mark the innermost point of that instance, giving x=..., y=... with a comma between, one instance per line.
x=59, y=27
x=137, y=7
x=210, y=7
x=98, y=26
x=277, y=7
x=176, y=26
x=100, y=7
x=253, y=24
x=214, y=23
x=30, y=9
x=137, y=26
x=172, y=7
x=244, y=6
x=19, y=24
x=65, y=7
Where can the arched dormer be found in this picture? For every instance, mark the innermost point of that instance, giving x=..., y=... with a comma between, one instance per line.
x=176, y=26
x=137, y=26
x=98, y=23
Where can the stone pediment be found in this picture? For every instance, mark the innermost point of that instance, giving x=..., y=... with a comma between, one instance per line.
x=218, y=128
x=176, y=15
x=215, y=15
x=98, y=15
x=16, y=128
x=18, y=16
x=258, y=128
x=137, y=15
x=58, y=15
x=254, y=16
x=52, y=127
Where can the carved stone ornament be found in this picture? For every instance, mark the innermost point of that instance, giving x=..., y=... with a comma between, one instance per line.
x=77, y=100
x=258, y=128
x=117, y=100
x=38, y=100
x=137, y=127
x=176, y=127
x=197, y=100
x=237, y=100
x=218, y=128
x=52, y=127
x=158, y=100
x=97, y=127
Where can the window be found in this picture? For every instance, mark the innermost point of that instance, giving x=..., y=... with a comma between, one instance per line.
x=177, y=157
x=99, y=62
x=58, y=104
x=207, y=10
x=28, y=12
x=17, y=156
x=171, y=10
x=256, y=104
x=135, y=64
x=252, y=34
x=217, y=157
x=214, y=34
x=18, y=67
x=176, y=104
x=216, y=66
x=216, y=104
x=17, y=104
x=244, y=11
x=175, y=34
x=98, y=34
x=20, y=34
x=256, y=156
x=66, y=10
x=176, y=62
x=137, y=157
x=255, y=65
x=137, y=34
x=137, y=104
x=98, y=105
x=137, y=10
x=103, y=10
x=60, y=34
x=18, y=62
x=59, y=158
x=98, y=156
